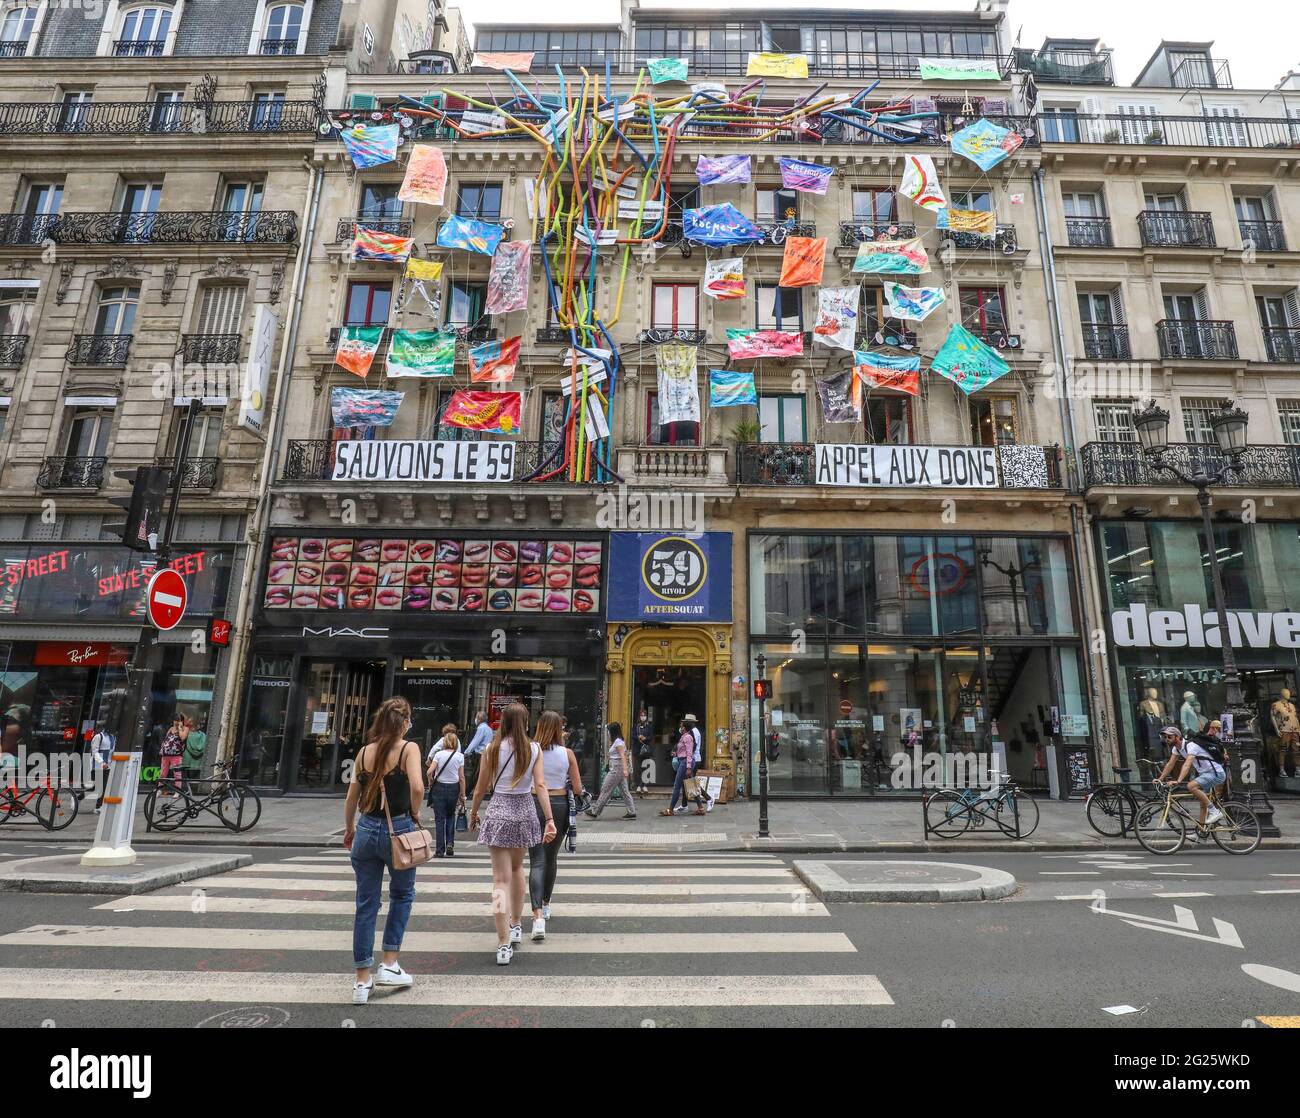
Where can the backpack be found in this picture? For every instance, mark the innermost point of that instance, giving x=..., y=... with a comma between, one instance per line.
x=1212, y=746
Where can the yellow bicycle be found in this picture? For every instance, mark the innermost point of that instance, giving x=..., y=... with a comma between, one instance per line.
x=1161, y=826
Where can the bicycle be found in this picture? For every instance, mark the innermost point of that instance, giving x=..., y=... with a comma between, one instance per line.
x=171, y=803
x=1112, y=808
x=1015, y=813
x=54, y=809
x=1161, y=827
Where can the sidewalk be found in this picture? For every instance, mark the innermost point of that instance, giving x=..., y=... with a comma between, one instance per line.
x=800, y=826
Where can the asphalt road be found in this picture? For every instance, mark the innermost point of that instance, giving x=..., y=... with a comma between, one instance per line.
x=1114, y=941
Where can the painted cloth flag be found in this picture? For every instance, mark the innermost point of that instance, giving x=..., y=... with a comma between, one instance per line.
x=915, y=303
x=713, y=170
x=679, y=390
x=497, y=413
x=968, y=221
x=770, y=64
x=667, y=69
x=420, y=272
x=426, y=176
x=521, y=61
x=880, y=370
x=837, y=316
x=967, y=361
x=729, y=388
x=803, y=262
x=725, y=278
x=422, y=353
x=747, y=344
x=959, y=70
x=476, y=236
x=494, y=360
x=372, y=244
x=359, y=407
x=986, y=144
x=369, y=145
x=921, y=183
x=508, y=281
x=720, y=225
x=418, y=269
x=357, y=347
x=836, y=395
x=892, y=256
x=810, y=178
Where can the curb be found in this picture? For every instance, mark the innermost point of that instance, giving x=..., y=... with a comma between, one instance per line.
x=828, y=885
x=122, y=881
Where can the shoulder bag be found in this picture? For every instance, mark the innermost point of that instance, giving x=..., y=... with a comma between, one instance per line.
x=411, y=849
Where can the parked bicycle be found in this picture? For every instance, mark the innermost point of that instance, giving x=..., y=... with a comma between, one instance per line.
x=950, y=813
x=1112, y=808
x=50, y=804
x=171, y=803
x=1161, y=826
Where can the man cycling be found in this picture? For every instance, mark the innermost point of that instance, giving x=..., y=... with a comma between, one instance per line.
x=1210, y=773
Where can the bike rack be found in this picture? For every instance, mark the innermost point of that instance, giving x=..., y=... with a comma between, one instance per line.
x=979, y=812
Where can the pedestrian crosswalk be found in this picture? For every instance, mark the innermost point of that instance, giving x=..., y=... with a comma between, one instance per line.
x=728, y=931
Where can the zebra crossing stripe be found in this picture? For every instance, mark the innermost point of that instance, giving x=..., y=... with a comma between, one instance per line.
x=484, y=872
x=513, y=989
x=190, y=938
x=562, y=888
x=566, y=859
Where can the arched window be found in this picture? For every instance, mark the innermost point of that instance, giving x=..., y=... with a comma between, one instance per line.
x=16, y=31
x=144, y=31
x=283, y=26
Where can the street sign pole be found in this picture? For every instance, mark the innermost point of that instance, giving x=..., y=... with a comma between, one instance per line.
x=762, y=692
x=112, y=845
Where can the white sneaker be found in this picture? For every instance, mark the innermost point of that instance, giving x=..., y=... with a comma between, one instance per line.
x=392, y=976
x=516, y=933
x=361, y=992
x=679, y=810
x=539, y=929
x=504, y=954
x=1214, y=817
x=546, y=912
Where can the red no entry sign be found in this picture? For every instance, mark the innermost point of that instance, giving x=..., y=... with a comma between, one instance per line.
x=166, y=598
x=846, y=707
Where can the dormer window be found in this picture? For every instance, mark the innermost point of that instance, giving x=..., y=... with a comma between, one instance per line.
x=283, y=29
x=144, y=32
x=16, y=31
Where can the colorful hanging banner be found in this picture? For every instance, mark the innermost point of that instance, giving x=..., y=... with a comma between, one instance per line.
x=720, y=225
x=729, y=388
x=475, y=236
x=519, y=61
x=667, y=70
x=508, y=280
x=679, y=390
x=372, y=244
x=422, y=353
x=967, y=361
x=715, y=170
x=882, y=370
x=426, y=176
x=496, y=413
x=809, y=178
x=725, y=279
x=803, y=262
x=915, y=303
x=836, y=396
x=959, y=70
x=892, y=256
x=369, y=145
x=837, y=316
x=494, y=360
x=769, y=64
x=921, y=183
x=986, y=144
x=357, y=348
x=360, y=407
x=968, y=221
x=744, y=345
x=418, y=269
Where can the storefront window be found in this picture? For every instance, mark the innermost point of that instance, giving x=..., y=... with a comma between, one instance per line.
x=1026, y=586
x=796, y=719
x=270, y=684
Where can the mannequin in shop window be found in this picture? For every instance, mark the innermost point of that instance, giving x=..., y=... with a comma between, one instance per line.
x=1286, y=724
x=1189, y=714
x=1151, y=718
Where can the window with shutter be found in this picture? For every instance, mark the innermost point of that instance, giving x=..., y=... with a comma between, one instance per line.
x=1291, y=305
x=1139, y=123
x=1288, y=412
x=1224, y=127
x=222, y=310
x=1202, y=303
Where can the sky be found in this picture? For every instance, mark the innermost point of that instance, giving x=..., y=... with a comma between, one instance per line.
x=1132, y=28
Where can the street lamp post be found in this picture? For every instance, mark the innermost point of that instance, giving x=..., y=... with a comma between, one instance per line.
x=1014, y=576
x=1229, y=425
x=761, y=663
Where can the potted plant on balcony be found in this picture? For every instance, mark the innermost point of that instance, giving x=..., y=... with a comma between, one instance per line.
x=745, y=433
x=1111, y=137
x=1155, y=136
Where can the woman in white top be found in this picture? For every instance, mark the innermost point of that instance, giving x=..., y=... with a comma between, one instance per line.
x=618, y=777
x=511, y=826
x=445, y=776
x=560, y=768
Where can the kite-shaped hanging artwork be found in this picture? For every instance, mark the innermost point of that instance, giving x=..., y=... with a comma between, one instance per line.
x=916, y=303
x=986, y=144
x=967, y=361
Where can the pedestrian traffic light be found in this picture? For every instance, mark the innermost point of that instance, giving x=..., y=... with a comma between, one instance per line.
x=139, y=531
x=762, y=688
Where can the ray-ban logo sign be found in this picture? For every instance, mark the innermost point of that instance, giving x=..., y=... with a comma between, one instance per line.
x=1189, y=627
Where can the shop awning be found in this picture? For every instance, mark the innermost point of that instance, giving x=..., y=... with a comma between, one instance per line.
x=31, y=631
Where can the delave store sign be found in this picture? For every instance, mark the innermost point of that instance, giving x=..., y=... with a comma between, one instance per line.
x=431, y=460
x=1189, y=627
x=909, y=467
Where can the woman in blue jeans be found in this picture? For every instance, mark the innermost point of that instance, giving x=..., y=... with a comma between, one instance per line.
x=388, y=768
x=445, y=774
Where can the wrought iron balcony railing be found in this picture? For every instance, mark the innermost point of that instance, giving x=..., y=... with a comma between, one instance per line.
x=279, y=46
x=1088, y=232
x=13, y=48
x=1169, y=131
x=399, y=227
x=13, y=348
x=854, y=233
x=1198, y=339
x=106, y=350
x=1065, y=67
x=196, y=473
x=134, y=118
x=794, y=464
x=313, y=460
x=1263, y=236
x=1005, y=240
x=72, y=473
x=1282, y=343
x=176, y=227
x=1176, y=228
x=1105, y=342
x=662, y=335
x=138, y=48
x=204, y=349
x=1112, y=463
x=1201, y=73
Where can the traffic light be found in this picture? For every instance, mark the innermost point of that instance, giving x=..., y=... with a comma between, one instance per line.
x=139, y=531
x=762, y=688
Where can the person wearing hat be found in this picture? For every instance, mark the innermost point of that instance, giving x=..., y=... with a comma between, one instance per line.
x=685, y=765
